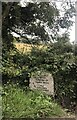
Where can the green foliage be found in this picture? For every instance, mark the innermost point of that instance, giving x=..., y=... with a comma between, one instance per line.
x=19, y=103
x=37, y=17
x=14, y=67
x=58, y=58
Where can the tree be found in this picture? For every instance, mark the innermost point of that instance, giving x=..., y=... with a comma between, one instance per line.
x=34, y=19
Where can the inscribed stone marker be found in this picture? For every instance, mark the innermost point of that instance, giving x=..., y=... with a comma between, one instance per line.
x=43, y=81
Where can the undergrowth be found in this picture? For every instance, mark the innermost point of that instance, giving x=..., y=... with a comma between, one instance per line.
x=25, y=103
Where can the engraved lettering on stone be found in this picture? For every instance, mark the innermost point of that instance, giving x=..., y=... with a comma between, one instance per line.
x=42, y=81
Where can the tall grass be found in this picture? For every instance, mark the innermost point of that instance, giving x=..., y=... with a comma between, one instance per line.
x=19, y=103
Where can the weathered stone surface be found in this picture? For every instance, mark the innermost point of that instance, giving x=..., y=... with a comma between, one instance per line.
x=43, y=81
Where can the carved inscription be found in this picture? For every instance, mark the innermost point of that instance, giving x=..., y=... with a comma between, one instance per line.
x=42, y=81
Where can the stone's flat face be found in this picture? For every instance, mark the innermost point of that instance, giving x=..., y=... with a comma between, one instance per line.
x=42, y=81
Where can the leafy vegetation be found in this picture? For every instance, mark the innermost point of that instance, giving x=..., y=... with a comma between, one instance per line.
x=58, y=58
x=18, y=103
x=33, y=23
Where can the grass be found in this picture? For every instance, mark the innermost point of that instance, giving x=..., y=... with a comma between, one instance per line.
x=19, y=103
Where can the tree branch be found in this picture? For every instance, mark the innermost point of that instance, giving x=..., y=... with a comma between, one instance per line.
x=20, y=35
